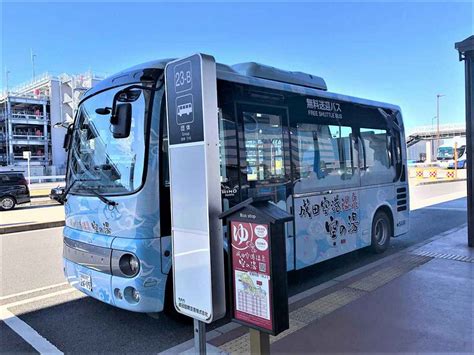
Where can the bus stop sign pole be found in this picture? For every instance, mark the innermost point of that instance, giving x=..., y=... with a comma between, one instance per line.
x=466, y=53
x=196, y=231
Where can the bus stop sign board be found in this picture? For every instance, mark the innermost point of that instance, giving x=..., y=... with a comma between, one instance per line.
x=193, y=137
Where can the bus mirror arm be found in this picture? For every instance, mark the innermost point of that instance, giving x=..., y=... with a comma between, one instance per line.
x=113, y=116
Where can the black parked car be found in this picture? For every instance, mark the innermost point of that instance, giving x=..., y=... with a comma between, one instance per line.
x=13, y=189
x=56, y=194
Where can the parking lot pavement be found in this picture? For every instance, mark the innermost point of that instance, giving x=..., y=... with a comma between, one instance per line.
x=30, y=260
x=71, y=322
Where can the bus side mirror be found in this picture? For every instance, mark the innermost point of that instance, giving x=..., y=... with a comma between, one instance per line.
x=122, y=120
x=67, y=137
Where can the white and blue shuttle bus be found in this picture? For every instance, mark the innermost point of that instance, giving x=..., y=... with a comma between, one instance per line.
x=336, y=163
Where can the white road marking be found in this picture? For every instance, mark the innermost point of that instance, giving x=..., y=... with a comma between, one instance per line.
x=28, y=334
x=39, y=298
x=32, y=291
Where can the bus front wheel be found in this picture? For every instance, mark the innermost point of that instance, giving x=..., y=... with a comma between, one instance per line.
x=381, y=232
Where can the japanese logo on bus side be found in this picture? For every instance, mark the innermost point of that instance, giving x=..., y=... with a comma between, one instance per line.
x=323, y=108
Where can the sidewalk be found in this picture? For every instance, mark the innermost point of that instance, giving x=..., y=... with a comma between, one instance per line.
x=28, y=218
x=419, y=300
x=43, y=189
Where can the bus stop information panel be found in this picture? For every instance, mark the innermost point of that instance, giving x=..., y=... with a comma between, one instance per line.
x=193, y=137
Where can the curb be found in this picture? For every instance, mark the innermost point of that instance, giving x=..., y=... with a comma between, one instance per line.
x=34, y=203
x=31, y=227
x=439, y=182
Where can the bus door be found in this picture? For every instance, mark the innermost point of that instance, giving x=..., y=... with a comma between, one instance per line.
x=265, y=167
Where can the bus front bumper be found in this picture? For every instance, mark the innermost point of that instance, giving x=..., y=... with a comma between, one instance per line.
x=116, y=291
x=92, y=267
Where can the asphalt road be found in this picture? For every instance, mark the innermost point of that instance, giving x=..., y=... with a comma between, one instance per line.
x=74, y=323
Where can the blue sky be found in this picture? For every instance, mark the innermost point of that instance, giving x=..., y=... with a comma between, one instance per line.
x=402, y=53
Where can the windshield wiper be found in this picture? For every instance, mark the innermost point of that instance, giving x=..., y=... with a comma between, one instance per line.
x=100, y=197
x=66, y=192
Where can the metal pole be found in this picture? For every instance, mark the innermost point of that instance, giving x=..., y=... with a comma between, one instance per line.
x=33, y=63
x=6, y=79
x=470, y=145
x=259, y=342
x=437, y=121
x=455, y=160
x=466, y=53
x=432, y=150
x=29, y=175
x=199, y=337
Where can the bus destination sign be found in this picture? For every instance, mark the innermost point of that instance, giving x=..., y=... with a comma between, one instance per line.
x=184, y=100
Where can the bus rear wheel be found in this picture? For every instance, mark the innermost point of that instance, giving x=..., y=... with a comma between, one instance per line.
x=381, y=232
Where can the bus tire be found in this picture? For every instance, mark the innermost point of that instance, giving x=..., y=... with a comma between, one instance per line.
x=381, y=232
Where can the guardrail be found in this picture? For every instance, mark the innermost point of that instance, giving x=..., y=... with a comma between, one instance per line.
x=28, y=117
x=435, y=173
x=32, y=157
x=50, y=178
x=28, y=137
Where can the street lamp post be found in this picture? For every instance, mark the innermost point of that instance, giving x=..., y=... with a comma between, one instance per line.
x=437, y=119
x=433, y=152
x=33, y=56
x=7, y=73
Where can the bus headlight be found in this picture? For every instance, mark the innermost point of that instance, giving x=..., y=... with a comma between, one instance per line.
x=129, y=264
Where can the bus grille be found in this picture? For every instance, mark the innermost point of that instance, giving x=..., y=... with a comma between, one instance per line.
x=401, y=199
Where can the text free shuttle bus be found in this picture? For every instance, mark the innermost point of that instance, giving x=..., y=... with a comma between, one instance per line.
x=337, y=163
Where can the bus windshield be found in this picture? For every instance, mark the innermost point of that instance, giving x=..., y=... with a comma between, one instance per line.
x=103, y=163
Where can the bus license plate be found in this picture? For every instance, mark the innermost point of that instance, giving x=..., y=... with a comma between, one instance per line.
x=85, y=281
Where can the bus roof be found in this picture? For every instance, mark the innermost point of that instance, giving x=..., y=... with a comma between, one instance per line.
x=251, y=74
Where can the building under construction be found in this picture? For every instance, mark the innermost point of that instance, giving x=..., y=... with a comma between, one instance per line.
x=28, y=115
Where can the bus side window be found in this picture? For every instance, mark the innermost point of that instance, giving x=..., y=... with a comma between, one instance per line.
x=264, y=148
x=379, y=163
x=324, y=157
